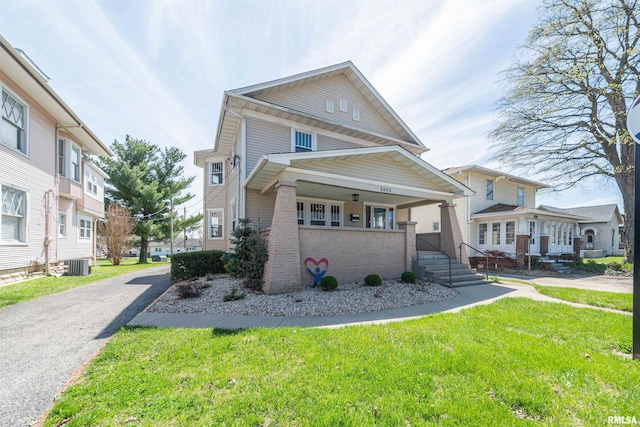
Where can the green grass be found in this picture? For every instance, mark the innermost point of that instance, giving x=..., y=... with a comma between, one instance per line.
x=617, y=301
x=36, y=288
x=607, y=260
x=513, y=362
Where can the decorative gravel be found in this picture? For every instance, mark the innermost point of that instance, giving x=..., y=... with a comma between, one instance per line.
x=349, y=298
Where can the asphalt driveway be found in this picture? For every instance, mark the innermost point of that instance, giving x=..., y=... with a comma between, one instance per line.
x=42, y=342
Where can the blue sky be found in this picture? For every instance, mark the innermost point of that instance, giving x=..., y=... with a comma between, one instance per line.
x=157, y=69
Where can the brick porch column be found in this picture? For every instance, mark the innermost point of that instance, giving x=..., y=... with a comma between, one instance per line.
x=577, y=242
x=282, y=270
x=410, y=250
x=522, y=247
x=450, y=233
x=544, y=245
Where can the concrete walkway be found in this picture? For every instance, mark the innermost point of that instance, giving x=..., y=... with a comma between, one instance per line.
x=468, y=297
x=42, y=342
x=593, y=282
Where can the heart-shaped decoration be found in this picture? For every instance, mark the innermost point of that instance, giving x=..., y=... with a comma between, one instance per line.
x=316, y=268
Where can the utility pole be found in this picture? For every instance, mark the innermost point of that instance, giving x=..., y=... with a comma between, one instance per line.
x=171, y=236
x=184, y=228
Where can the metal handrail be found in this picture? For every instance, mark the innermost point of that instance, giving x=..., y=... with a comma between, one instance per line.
x=437, y=250
x=486, y=261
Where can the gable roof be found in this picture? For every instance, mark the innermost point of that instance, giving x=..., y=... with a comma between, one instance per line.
x=599, y=213
x=501, y=209
x=29, y=79
x=240, y=99
x=494, y=173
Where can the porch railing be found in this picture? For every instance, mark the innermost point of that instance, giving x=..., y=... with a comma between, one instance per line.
x=437, y=250
x=486, y=257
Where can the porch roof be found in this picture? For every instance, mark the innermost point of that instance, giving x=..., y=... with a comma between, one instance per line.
x=502, y=210
x=359, y=169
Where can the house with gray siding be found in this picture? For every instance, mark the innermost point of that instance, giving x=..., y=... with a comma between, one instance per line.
x=327, y=170
x=599, y=229
x=51, y=194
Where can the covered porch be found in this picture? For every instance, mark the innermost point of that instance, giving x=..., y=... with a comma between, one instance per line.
x=348, y=211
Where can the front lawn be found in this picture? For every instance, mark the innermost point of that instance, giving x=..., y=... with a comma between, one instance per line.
x=607, y=260
x=513, y=362
x=36, y=288
x=617, y=301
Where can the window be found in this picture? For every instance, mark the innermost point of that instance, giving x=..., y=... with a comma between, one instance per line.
x=13, y=215
x=317, y=214
x=495, y=233
x=552, y=233
x=335, y=216
x=75, y=163
x=300, y=212
x=380, y=217
x=570, y=236
x=489, y=189
x=62, y=164
x=215, y=224
x=216, y=173
x=91, y=180
x=532, y=232
x=343, y=104
x=328, y=106
x=62, y=224
x=14, y=120
x=233, y=216
x=356, y=114
x=84, y=228
x=302, y=141
x=482, y=234
x=436, y=227
x=520, y=196
x=510, y=233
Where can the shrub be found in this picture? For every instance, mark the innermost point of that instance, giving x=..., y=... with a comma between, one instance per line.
x=234, y=296
x=328, y=283
x=249, y=255
x=373, y=280
x=189, y=290
x=408, y=277
x=589, y=266
x=196, y=264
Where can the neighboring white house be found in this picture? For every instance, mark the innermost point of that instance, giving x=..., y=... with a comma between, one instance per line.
x=328, y=170
x=180, y=245
x=502, y=216
x=51, y=196
x=600, y=232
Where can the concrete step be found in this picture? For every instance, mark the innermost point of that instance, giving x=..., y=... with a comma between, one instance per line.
x=458, y=278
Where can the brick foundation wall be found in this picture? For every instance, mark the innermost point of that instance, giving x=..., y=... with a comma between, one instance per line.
x=353, y=253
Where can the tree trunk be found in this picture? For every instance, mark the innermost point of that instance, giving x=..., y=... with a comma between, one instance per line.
x=144, y=247
x=626, y=186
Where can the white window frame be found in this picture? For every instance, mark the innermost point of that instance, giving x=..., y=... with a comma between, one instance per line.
x=356, y=115
x=506, y=233
x=63, y=230
x=328, y=205
x=24, y=229
x=210, y=213
x=521, y=196
x=211, y=162
x=343, y=104
x=388, y=221
x=435, y=226
x=328, y=106
x=482, y=240
x=490, y=184
x=84, y=231
x=493, y=231
x=293, y=140
x=91, y=186
x=25, y=127
x=62, y=159
x=74, y=149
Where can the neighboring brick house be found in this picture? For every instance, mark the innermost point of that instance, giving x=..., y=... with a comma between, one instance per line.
x=327, y=169
x=502, y=216
x=51, y=196
x=599, y=231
